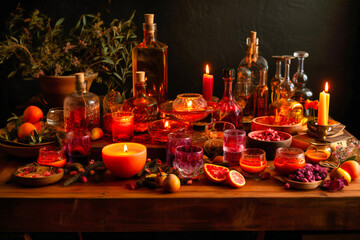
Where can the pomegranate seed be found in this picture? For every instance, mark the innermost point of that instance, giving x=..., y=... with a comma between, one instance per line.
x=72, y=173
x=47, y=173
x=84, y=179
x=287, y=186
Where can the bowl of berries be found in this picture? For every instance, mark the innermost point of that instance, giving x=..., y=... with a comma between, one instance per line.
x=269, y=140
x=307, y=178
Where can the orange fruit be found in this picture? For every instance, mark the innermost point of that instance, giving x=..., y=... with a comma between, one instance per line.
x=352, y=167
x=215, y=173
x=25, y=130
x=96, y=133
x=160, y=179
x=171, y=183
x=32, y=114
x=38, y=126
x=235, y=179
x=339, y=173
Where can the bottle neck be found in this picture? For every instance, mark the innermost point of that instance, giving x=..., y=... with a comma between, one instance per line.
x=80, y=88
x=278, y=69
x=228, y=88
x=301, y=65
x=287, y=72
x=140, y=89
x=263, y=77
x=149, y=36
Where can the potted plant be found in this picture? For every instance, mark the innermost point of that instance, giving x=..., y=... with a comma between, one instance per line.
x=41, y=49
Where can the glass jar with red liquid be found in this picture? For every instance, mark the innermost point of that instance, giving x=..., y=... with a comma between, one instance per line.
x=253, y=162
x=233, y=144
x=52, y=156
x=288, y=160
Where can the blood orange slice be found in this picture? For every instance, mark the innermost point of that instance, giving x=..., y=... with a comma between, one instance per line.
x=235, y=179
x=215, y=173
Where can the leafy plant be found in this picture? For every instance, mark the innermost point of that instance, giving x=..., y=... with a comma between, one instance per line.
x=39, y=47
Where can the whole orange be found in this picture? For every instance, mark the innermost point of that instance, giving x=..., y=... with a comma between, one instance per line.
x=352, y=167
x=32, y=114
x=25, y=130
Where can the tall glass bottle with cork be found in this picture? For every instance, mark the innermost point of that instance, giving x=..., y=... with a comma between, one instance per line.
x=255, y=63
x=151, y=57
x=81, y=108
x=144, y=107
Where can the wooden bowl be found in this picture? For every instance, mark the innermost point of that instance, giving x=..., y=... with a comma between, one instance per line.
x=269, y=146
x=40, y=181
x=23, y=150
x=262, y=123
x=299, y=185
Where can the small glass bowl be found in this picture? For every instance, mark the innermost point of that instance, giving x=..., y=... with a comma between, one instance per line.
x=50, y=154
x=160, y=129
x=188, y=102
x=215, y=130
x=288, y=160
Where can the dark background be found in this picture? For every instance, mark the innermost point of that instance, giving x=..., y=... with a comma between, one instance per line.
x=214, y=32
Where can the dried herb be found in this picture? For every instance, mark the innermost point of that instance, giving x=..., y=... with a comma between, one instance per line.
x=86, y=172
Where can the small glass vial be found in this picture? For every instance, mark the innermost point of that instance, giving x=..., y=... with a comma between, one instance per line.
x=277, y=80
x=318, y=151
x=255, y=63
x=300, y=78
x=112, y=102
x=228, y=110
x=81, y=108
x=151, y=57
x=261, y=95
x=242, y=91
x=144, y=108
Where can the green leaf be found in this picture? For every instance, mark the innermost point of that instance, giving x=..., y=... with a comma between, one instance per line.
x=12, y=74
x=108, y=60
x=59, y=22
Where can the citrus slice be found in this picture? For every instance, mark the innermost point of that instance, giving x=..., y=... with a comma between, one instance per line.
x=235, y=179
x=215, y=173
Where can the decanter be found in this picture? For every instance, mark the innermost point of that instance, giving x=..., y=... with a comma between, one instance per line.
x=261, y=95
x=151, y=57
x=300, y=78
x=286, y=110
x=81, y=108
x=228, y=110
x=144, y=108
x=254, y=62
x=277, y=80
x=112, y=102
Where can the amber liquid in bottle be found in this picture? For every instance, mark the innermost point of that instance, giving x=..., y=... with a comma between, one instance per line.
x=261, y=96
x=150, y=56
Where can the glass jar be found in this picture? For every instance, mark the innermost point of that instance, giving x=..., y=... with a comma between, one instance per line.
x=253, y=162
x=288, y=160
x=317, y=151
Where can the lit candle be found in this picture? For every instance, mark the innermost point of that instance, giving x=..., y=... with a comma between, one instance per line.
x=327, y=101
x=323, y=114
x=208, y=84
x=124, y=160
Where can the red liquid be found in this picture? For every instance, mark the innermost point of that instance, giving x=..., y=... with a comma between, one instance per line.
x=123, y=129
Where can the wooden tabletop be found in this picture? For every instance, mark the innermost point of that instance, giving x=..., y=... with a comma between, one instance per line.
x=202, y=206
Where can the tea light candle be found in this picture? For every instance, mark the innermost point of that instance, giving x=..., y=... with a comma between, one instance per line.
x=122, y=126
x=124, y=160
x=208, y=84
x=160, y=129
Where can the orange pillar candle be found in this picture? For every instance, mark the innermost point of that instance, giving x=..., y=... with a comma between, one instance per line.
x=208, y=84
x=124, y=160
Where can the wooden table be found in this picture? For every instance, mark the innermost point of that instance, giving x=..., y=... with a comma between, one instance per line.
x=110, y=206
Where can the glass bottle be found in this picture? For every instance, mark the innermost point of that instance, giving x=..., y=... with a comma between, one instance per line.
x=254, y=62
x=277, y=80
x=300, y=78
x=228, y=110
x=81, y=108
x=242, y=88
x=144, y=107
x=286, y=110
x=151, y=57
x=261, y=95
x=112, y=102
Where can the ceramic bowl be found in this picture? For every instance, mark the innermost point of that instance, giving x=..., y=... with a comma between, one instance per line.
x=38, y=181
x=262, y=123
x=23, y=150
x=269, y=146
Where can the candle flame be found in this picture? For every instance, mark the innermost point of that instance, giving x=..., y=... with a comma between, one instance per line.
x=326, y=87
x=125, y=148
x=189, y=103
x=207, y=69
x=166, y=124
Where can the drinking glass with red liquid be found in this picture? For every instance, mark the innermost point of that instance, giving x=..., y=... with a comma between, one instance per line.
x=253, y=162
x=288, y=160
x=233, y=144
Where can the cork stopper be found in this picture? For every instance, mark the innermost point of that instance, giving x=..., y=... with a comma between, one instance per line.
x=149, y=18
x=253, y=36
x=149, y=24
x=140, y=77
x=80, y=81
x=228, y=73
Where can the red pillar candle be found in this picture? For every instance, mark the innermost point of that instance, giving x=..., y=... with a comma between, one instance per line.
x=207, y=84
